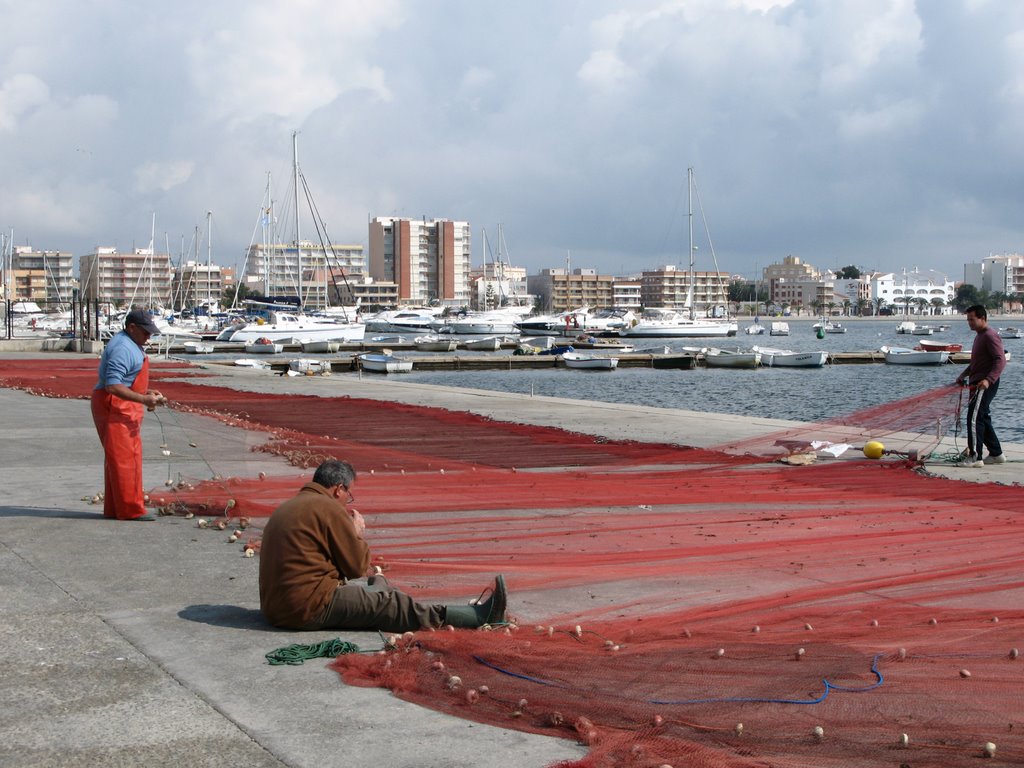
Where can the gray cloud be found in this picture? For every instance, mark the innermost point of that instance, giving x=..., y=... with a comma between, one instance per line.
x=877, y=132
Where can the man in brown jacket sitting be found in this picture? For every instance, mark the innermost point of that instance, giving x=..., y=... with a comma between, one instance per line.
x=314, y=561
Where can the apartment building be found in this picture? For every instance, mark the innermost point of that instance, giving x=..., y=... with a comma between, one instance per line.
x=313, y=275
x=498, y=285
x=901, y=291
x=626, y=294
x=139, y=278
x=39, y=276
x=997, y=274
x=429, y=259
x=669, y=287
x=196, y=284
x=558, y=290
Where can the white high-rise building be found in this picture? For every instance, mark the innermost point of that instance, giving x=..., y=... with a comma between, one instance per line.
x=140, y=278
x=997, y=274
x=314, y=275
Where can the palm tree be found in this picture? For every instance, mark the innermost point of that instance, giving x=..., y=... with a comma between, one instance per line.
x=815, y=305
x=939, y=304
x=879, y=303
x=862, y=305
x=997, y=300
x=831, y=308
x=907, y=301
x=846, y=307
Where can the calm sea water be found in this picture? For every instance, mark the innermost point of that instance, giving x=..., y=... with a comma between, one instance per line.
x=786, y=393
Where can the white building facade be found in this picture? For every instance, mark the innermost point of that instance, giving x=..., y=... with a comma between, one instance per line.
x=997, y=274
x=916, y=292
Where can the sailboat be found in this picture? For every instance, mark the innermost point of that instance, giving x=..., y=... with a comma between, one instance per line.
x=282, y=323
x=661, y=322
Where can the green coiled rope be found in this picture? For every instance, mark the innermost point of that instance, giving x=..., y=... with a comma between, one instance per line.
x=298, y=653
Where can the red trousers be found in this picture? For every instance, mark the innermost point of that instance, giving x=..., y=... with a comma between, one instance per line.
x=118, y=423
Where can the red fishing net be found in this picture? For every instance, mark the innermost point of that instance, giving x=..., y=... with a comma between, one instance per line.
x=676, y=606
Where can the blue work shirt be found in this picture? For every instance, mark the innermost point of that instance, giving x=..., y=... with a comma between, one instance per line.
x=121, y=362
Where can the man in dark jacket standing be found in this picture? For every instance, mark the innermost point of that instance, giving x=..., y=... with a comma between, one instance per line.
x=314, y=564
x=982, y=375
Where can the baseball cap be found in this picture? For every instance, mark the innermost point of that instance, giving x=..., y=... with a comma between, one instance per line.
x=140, y=318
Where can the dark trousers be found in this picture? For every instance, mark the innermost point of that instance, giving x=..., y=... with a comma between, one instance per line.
x=979, y=422
x=372, y=603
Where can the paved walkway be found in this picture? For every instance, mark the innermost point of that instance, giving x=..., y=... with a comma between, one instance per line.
x=130, y=644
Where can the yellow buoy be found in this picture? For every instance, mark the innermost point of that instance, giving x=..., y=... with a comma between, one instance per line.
x=874, y=449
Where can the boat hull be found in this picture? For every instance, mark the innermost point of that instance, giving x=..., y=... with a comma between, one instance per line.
x=681, y=330
x=315, y=346
x=724, y=359
x=341, y=332
x=899, y=356
x=589, y=362
x=384, y=364
x=784, y=358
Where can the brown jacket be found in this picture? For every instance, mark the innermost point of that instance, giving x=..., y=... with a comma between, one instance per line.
x=309, y=545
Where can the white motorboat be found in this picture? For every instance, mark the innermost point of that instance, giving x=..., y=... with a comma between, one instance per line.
x=790, y=359
x=263, y=347
x=283, y=326
x=666, y=323
x=402, y=321
x=319, y=346
x=434, y=344
x=246, y=362
x=923, y=330
x=755, y=329
x=1011, y=333
x=907, y=326
x=198, y=347
x=779, y=328
x=730, y=358
x=905, y=356
x=489, y=322
x=589, y=362
x=383, y=363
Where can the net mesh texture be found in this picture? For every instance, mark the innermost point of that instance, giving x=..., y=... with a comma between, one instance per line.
x=675, y=606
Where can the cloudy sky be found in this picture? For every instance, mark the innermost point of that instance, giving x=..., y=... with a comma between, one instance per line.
x=883, y=133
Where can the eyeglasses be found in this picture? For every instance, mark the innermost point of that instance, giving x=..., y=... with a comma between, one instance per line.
x=351, y=499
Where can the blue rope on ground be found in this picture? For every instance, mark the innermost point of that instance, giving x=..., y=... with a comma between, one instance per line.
x=729, y=699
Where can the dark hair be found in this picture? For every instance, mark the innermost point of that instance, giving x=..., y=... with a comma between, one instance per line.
x=332, y=473
x=979, y=311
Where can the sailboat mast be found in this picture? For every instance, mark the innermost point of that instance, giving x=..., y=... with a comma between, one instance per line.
x=209, y=258
x=689, y=216
x=298, y=239
x=151, y=257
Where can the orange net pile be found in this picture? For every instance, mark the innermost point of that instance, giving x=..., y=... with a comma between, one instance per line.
x=676, y=606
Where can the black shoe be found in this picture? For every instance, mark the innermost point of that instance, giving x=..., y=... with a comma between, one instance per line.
x=146, y=518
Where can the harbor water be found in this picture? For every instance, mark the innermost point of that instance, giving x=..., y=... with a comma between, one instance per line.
x=803, y=394
x=800, y=394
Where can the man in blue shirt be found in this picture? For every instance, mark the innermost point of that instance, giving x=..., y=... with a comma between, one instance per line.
x=117, y=410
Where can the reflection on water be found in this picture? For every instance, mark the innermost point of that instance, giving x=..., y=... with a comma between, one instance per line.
x=783, y=393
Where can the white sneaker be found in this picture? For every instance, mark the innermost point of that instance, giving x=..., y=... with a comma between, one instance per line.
x=970, y=461
x=990, y=459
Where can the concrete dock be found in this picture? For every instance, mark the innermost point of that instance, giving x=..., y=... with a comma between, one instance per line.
x=131, y=644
